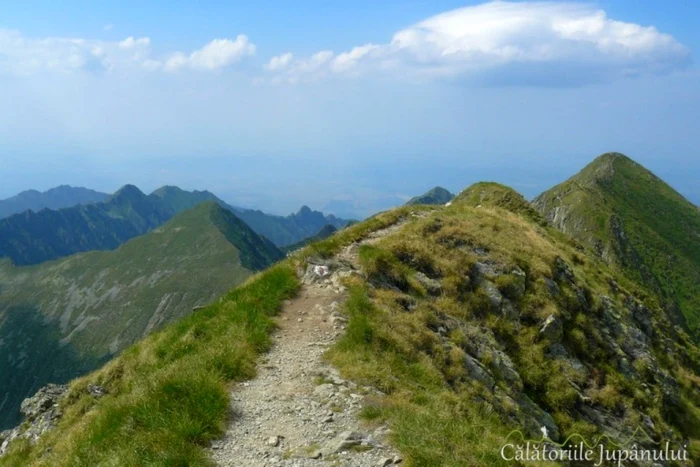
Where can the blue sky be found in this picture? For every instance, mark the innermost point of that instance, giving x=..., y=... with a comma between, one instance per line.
x=350, y=107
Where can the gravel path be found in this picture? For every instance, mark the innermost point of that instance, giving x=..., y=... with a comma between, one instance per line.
x=298, y=411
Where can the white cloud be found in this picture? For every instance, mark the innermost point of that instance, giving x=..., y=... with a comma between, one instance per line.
x=25, y=55
x=131, y=43
x=107, y=27
x=219, y=53
x=524, y=42
x=348, y=60
x=280, y=62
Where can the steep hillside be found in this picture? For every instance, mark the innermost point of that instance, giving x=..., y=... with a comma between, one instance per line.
x=437, y=195
x=461, y=328
x=34, y=237
x=63, y=196
x=63, y=318
x=291, y=229
x=634, y=220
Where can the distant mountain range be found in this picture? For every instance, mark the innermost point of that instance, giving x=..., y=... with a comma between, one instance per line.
x=324, y=233
x=63, y=196
x=291, y=229
x=634, y=220
x=32, y=237
x=437, y=195
x=63, y=318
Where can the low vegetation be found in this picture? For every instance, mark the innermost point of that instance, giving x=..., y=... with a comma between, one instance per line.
x=412, y=343
x=167, y=396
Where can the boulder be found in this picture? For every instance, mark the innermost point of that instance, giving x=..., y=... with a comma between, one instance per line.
x=562, y=271
x=41, y=414
x=477, y=371
x=534, y=418
x=519, y=284
x=552, y=329
x=343, y=442
x=431, y=286
x=43, y=401
x=493, y=294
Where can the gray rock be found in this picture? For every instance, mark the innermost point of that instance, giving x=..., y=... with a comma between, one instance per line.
x=483, y=270
x=41, y=414
x=552, y=287
x=44, y=400
x=641, y=315
x=552, y=329
x=509, y=311
x=519, y=284
x=96, y=391
x=477, y=371
x=431, y=286
x=534, y=418
x=343, y=442
x=492, y=292
x=325, y=390
x=562, y=271
x=504, y=367
x=557, y=351
x=273, y=441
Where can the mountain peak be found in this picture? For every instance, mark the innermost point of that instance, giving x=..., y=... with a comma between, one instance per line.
x=606, y=166
x=633, y=219
x=496, y=195
x=167, y=190
x=436, y=195
x=304, y=210
x=127, y=192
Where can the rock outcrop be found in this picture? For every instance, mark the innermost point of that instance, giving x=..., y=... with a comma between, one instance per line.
x=41, y=413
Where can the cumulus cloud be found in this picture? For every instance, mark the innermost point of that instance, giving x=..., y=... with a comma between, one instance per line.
x=280, y=62
x=132, y=43
x=219, y=53
x=520, y=42
x=26, y=55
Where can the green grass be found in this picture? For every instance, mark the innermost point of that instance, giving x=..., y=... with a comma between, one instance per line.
x=168, y=395
x=439, y=415
x=433, y=425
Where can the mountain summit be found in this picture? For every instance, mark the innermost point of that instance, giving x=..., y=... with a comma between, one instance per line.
x=63, y=196
x=437, y=195
x=634, y=220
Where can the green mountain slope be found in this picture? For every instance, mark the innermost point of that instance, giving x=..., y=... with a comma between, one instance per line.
x=63, y=196
x=63, y=318
x=291, y=229
x=636, y=221
x=437, y=195
x=473, y=320
x=34, y=237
